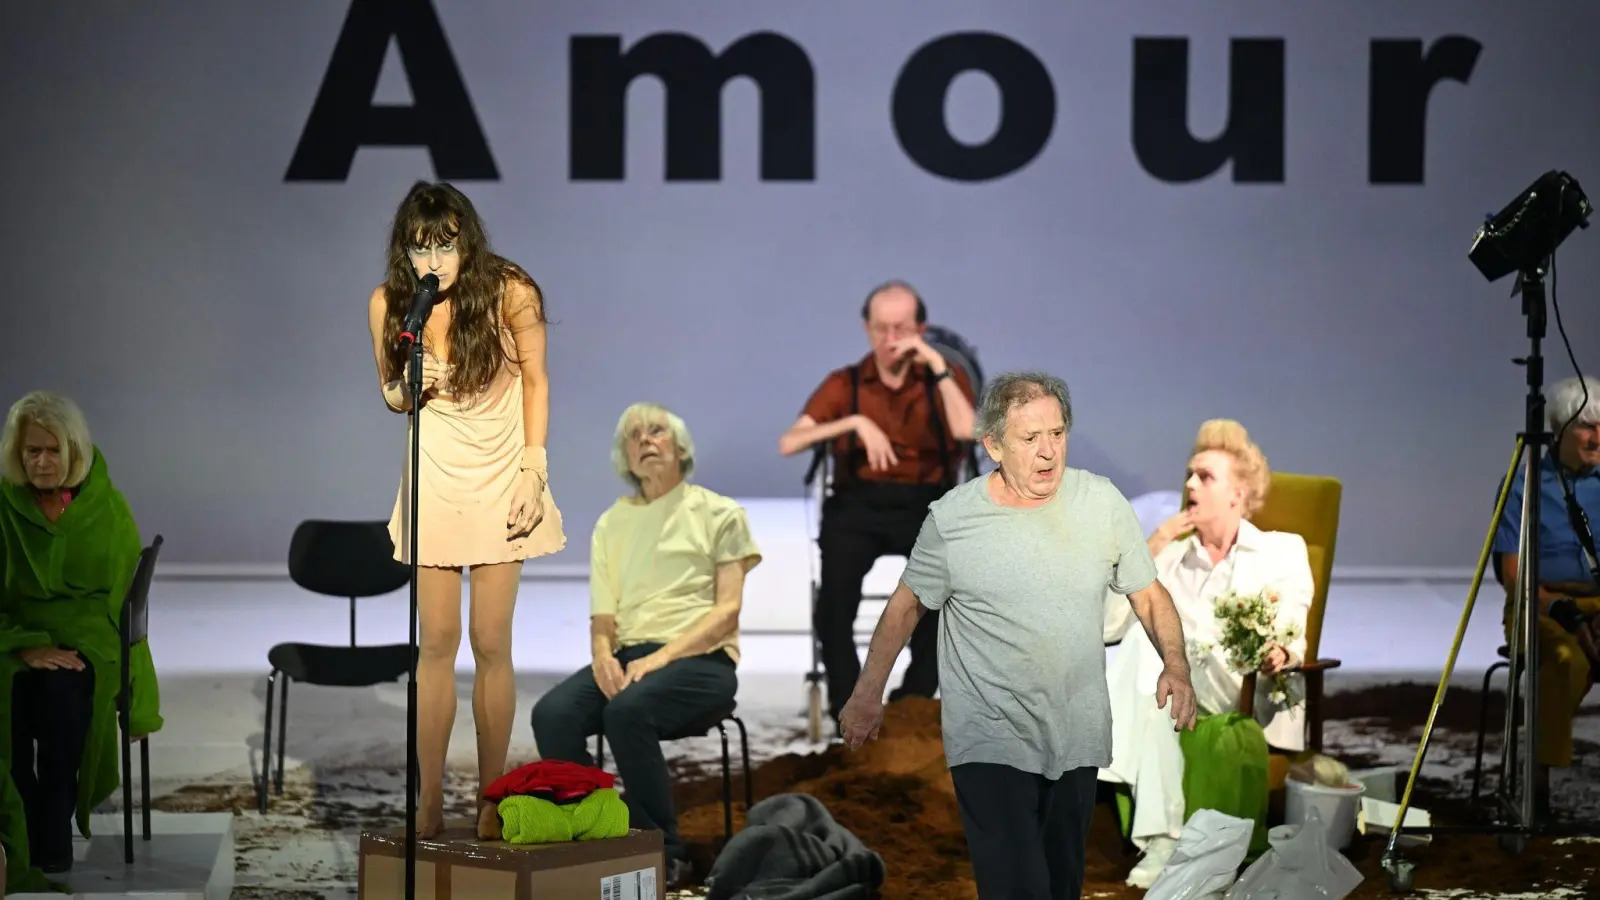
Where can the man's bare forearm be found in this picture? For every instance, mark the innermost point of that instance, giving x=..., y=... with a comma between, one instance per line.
x=1159, y=616
x=900, y=618
x=802, y=437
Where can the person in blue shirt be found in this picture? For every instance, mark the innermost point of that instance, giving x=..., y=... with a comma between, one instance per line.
x=1568, y=661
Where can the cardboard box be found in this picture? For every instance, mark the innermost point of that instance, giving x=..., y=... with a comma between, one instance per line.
x=455, y=865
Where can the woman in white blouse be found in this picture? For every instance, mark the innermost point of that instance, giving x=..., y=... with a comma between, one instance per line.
x=1206, y=550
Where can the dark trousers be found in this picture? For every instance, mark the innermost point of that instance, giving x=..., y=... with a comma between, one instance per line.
x=1028, y=835
x=685, y=694
x=860, y=523
x=50, y=714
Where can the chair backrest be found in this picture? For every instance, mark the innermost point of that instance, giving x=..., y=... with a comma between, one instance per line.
x=1307, y=505
x=345, y=558
x=136, y=603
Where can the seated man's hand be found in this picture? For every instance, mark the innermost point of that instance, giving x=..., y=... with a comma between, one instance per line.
x=1589, y=639
x=643, y=666
x=51, y=658
x=608, y=675
x=1277, y=659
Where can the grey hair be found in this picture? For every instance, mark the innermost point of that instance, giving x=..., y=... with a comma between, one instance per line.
x=57, y=414
x=1565, y=402
x=650, y=412
x=1013, y=389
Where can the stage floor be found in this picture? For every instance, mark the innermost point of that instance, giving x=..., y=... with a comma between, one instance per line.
x=210, y=640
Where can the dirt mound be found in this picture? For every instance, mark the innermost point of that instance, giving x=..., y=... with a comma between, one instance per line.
x=896, y=795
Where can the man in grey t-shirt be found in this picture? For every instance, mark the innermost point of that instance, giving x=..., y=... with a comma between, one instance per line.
x=1018, y=563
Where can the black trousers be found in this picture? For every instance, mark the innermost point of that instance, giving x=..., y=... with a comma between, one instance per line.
x=1028, y=835
x=684, y=694
x=860, y=523
x=50, y=714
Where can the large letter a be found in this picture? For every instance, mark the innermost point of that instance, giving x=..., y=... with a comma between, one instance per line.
x=344, y=118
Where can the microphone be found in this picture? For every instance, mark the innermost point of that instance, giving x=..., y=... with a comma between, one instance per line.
x=421, y=303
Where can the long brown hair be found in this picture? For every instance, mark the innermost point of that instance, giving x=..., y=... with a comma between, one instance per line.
x=439, y=213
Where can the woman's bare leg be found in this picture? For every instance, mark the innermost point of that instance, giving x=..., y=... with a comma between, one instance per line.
x=439, y=624
x=494, y=687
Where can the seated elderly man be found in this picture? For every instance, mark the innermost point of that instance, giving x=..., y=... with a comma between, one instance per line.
x=666, y=579
x=68, y=550
x=1205, y=550
x=1568, y=653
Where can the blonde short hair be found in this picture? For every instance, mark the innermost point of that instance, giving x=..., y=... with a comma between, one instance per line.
x=650, y=412
x=1249, y=463
x=57, y=414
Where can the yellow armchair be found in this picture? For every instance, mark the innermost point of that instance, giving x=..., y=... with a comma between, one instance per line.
x=1307, y=505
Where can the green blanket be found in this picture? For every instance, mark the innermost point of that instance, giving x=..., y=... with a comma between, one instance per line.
x=533, y=820
x=62, y=584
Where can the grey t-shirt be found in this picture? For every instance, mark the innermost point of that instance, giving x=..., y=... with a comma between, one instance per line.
x=1022, y=592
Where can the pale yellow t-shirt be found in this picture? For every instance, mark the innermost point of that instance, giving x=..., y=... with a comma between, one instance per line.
x=653, y=565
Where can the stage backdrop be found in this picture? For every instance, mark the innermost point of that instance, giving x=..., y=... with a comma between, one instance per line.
x=1245, y=209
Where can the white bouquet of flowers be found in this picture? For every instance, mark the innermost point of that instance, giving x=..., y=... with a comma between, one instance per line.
x=1249, y=626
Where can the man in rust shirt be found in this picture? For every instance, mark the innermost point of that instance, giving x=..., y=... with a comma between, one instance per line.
x=898, y=423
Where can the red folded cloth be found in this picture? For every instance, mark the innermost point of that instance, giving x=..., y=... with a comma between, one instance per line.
x=551, y=779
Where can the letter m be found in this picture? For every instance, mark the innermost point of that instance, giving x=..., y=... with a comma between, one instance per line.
x=693, y=78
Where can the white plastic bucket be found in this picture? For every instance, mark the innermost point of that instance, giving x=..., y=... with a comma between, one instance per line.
x=1337, y=807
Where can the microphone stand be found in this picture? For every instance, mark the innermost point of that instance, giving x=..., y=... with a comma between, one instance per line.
x=414, y=379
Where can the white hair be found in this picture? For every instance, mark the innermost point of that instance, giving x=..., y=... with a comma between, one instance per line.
x=1013, y=389
x=649, y=412
x=1565, y=402
x=57, y=414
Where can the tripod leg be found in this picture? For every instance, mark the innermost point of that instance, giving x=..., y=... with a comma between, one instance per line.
x=1455, y=648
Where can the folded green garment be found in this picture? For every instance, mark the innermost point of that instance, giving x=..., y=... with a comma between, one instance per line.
x=534, y=820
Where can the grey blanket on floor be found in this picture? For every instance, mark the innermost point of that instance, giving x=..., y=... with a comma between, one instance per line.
x=792, y=849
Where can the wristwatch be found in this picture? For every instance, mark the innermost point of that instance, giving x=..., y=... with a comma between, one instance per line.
x=940, y=376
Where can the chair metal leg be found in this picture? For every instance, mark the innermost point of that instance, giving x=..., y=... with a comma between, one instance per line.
x=727, y=786
x=744, y=754
x=600, y=750
x=1483, y=727
x=283, y=727
x=144, y=786
x=127, y=781
x=265, y=782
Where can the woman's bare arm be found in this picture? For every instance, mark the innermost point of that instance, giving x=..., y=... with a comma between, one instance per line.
x=394, y=390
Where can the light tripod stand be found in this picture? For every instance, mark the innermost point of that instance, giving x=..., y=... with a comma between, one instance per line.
x=1522, y=238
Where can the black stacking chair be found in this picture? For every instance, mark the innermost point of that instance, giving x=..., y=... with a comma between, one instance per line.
x=338, y=559
x=135, y=628
x=719, y=721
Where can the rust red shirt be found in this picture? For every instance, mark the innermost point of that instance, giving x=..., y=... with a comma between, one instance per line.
x=902, y=413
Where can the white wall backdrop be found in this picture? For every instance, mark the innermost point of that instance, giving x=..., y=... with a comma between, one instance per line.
x=210, y=314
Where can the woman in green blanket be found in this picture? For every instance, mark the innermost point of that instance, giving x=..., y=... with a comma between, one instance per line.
x=68, y=550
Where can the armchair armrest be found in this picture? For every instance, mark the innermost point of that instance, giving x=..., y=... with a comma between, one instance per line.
x=1312, y=669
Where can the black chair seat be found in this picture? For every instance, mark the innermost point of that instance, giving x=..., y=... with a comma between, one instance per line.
x=339, y=666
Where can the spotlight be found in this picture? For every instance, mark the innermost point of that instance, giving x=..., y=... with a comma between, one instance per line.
x=1523, y=235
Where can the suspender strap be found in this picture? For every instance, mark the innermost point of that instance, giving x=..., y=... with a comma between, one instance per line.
x=939, y=431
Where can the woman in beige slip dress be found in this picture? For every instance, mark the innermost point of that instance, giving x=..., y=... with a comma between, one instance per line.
x=484, y=499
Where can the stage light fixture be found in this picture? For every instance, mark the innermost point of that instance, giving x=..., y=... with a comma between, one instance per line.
x=1522, y=236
